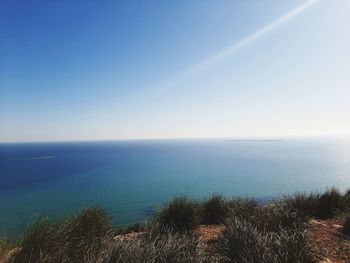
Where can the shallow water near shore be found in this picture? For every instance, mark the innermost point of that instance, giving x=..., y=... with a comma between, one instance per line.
x=131, y=178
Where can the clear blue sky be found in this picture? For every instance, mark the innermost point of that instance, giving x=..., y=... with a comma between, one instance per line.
x=89, y=70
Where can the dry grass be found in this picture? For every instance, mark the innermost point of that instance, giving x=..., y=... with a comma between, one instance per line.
x=250, y=233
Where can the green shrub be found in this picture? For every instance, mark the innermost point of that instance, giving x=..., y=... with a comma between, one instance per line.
x=289, y=247
x=40, y=242
x=89, y=224
x=330, y=203
x=180, y=214
x=76, y=239
x=243, y=242
x=347, y=200
x=346, y=226
x=214, y=210
x=156, y=245
x=272, y=217
x=85, y=232
x=278, y=216
x=305, y=204
x=270, y=233
x=242, y=208
x=323, y=206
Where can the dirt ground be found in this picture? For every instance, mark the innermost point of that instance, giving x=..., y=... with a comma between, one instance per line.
x=328, y=242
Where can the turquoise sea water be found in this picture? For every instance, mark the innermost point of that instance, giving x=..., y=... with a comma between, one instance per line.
x=131, y=178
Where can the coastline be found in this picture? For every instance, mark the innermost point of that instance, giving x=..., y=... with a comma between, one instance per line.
x=315, y=226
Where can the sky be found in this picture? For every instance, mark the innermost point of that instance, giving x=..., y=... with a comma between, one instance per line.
x=105, y=70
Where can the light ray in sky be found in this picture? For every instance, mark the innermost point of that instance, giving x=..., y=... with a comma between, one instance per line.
x=225, y=53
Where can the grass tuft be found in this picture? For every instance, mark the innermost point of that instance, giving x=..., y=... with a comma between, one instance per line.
x=75, y=239
x=214, y=209
x=157, y=245
x=347, y=200
x=330, y=203
x=240, y=242
x=180, y=214
x=250, y=241
x=278, y=216
x=305, y=204
x=242, y=208
x=346, y=226
x=39, y=242
x=85, y=232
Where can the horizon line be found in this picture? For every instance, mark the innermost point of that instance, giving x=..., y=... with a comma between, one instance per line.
x=223, y=138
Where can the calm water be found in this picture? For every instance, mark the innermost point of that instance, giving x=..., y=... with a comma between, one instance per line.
x=131, y=178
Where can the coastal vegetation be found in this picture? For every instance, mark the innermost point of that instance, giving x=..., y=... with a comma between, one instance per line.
x=237, y=230
x=346, y=226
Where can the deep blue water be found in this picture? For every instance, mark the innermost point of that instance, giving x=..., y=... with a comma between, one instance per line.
x=131, y=178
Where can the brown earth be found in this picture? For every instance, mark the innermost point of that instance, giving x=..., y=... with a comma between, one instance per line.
x=328, y=242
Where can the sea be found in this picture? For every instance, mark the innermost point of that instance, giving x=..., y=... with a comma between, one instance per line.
x=132, y=179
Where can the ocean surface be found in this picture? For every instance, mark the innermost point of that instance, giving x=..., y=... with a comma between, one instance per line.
x=132, y=178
